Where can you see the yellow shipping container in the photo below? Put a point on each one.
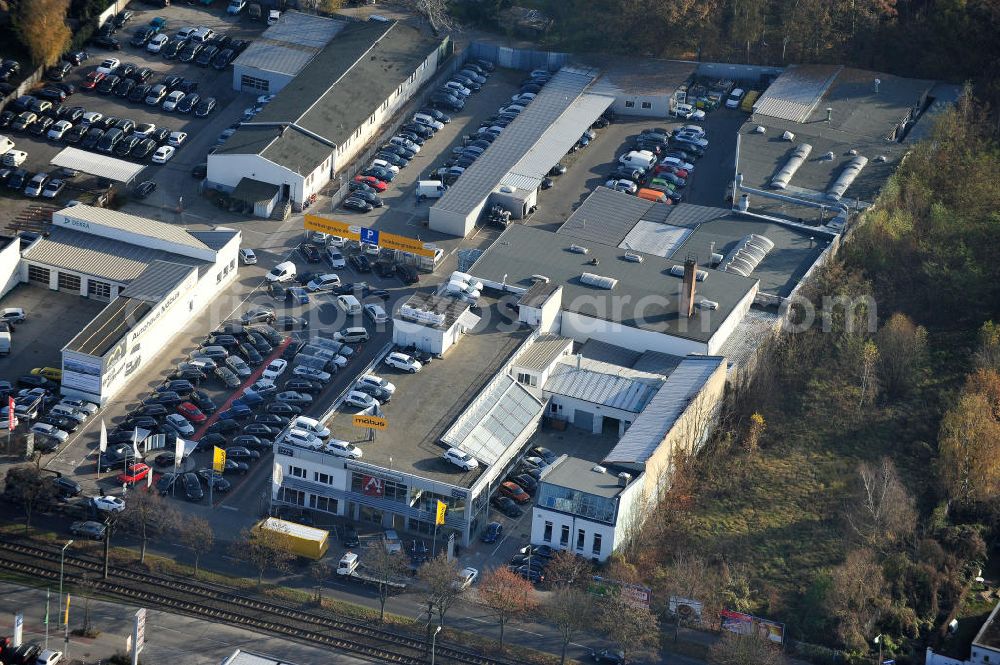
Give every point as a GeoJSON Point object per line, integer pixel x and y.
{"type": "Point", "coordinates": [303, 540]}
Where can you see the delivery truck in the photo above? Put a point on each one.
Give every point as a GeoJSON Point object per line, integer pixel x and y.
{"type": "Point", "coordinates": [305, 541]}
{"type": "Point", "coordinates": [350, 567]}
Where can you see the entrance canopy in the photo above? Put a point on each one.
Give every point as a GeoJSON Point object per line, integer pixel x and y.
{"type": "Point", "coordinates": [101, 166]}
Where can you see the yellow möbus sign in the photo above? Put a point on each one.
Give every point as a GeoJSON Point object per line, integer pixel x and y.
{"type": "Point", "coordinates": [372, 236]}
{"type": "Point", "coordinates": [442, 507]}
{"type": "Point", "coordinates": [371, 422]}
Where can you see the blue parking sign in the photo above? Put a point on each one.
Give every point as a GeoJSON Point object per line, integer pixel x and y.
{"type": "Point", "coordinates": [369, 236]}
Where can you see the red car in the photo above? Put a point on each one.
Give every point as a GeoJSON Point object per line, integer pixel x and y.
{"type": "Point", "coordinates": [93, 78]}
{"type": "Point", "coordinates": [134, 474]}
{"type": "Point", "coordinates": [515, 492]}
{"type": "Point", "coordinates": [372, 182]}
{"type": "Point", "coordinates": [191, 412]}
{"type": "Point", "coordinates": [668, 168]}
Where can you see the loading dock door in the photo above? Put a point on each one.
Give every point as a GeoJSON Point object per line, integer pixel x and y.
{"type": "Point", "coordinates": [583, 419]}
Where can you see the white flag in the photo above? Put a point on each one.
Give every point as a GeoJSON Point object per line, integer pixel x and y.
{"type": "Point", "coordinates": [104, 437]}
{"type": "Point", "coordinates": [178, 452]}
{"type": "Point", "coordinates": [149, 479]}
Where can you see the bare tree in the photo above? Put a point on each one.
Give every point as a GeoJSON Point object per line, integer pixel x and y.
{"type": "Point", "coordinates": [627, 625]}
{"type": "Point", "coordinates": [439, 577]}
{"type": "Point", "coordinates": [507, 595]}
{"type": "Point", "coordinates": [902, 349]}
{"type": "Point", "coordinates": [690, 576]}
{"type": "Point", "coordinates": [386, 567]}
{"type": "Point", "coordinates": [757, 426]}
{"type": "Point", "coordinates": [435, 12]}
{"type": "Point", "coordinates": [320, 572]}
{"type": "Point", "coordinates": [752, 649]}
{"type": "Point", "coordinates": [146, 516]}
{"type": "Point", "coordinates": [857, 598]}
{"type": "Point", "coordinates": [262, 549]}
{"type": "Point", "coordinates": [869, 382]}
{"type": "Point", "coordinates": [882, 511]}
{"type": "Point", "coordinates": [571, 611]}
{"type": "Point", "coordinates": [42, 27]}
{"type": "Point", "coordinates": [196, 534]}
{"type": "Point", "coordinates": [988, 354]}
{"type": "Point", "coordinates": [566, 569]}
{"type": "Point", "coordinates": [30, 487]}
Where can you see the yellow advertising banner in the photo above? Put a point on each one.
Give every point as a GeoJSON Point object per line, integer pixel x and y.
{"type": "Point", "coordinates": [219, 459]}
{"type": "Point", "coordinates": [442, 508]}
{"type": "Point", "coordinates": [371, 236]}
{"type": "Point", "coordinates": [371, 422]}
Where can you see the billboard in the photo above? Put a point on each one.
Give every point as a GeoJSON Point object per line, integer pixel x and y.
{"type": "Point", "coordinates": [85, 376]}
{"type": "Point", "coordinates": [747, 624]}
{"type": "Point", "coordinates": [371, 422]}
{"type": "Point", "coordinates": [371, 236]}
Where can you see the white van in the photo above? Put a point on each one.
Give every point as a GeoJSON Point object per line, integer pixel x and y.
{"type": "Point", "coordinates": [734, 99]}
{"type": "Point", "coordinates": [312, 426]}
{"type": "Point", "coordinates": [688, 112]}
{"type": "Point", "coordinates": [430, 189]}
{"type": "Point", "coordinates": [427, 121]}
{"type": "Point", "coordinates": [283, 272]}
{"type": "Point", "coordinates": [462, 288]}
{"type": "Point", "coordinates": [14, 157]}
{"type": "Point", "coordinates": [349, 304]}
{"type": "Point", "coordinates": [351, 335]}
{"type": "Point", "coordinates": [638, 159]}
{"type": "Point", "coordinates": [6, 144]}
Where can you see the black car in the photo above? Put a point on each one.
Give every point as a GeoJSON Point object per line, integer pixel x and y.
{"type": "Point", "coordinates": [525, 482]}
{"type": "Point", "coordinates": [110, 139]}
{"type": "Point", "coordinates": [167, 397]}
{"type": "Point", "coordinates": [18, 179]}
{"type": "Point", "coordinates": [141, 75]}
{"type": "Point", "coordinates": [259, 430]}
{"type": "Point", "coordinates": [303, 386]}
{"type": "Point", "coordinates": [360, 263]}
{"type": "Point", "coordinates": [242, 454]}
{"type": "Point", "coordinates": [166, 483]}
{"type": "Point", "coordinates": [107, 122]}
{"type": "Point", "coordinates": [289, 322]}
{"type": "Point", "coordinates": [206, 55]}
{"type": "Point", "coordinates": [251, 441]}
{"type": "Point", "coordinates": [187, 104]}
{"type": "Point", "coordinates": [76, 57]}
{"type": "Point", "coordinates": [144, 149]}
{"type": "Point", "coordinates": [165, 459]}
{"type": "Point", "coordinates": [437, 115]}
{"type": "Point", "coordinates": [533, 575]}
{"type": "Point", "coordinates": [66, 486]}
{"type": "Point", "coordinates": [153, 410]}
{"type": "Point", "coordinates": [160, 134]}
{"type": "Point", "coordinates": [507, 506]}
{"type": "Point", "coordinates": [124, 147]}
{"type": "Point", "coordinates": [41, 126]}
{"type": "Point", "coordinates": [145, 422]}
{"type": "Point", "coordinates": [519, 560]}
{"type": "Point", "coordinates": [232, 466]}
{"type": "Point", "coordinates": [219, 484]}
{"type": "Point", "coordinates": [223, 426]}
{"type": "Point", "coordinates": [65, 424]}
{"type": "Point", "coordinates": [422, 131]}
{"type": "Point", "coordinates": [270, 419]}
{"type": "Point", "coordinates": [125, 88]}
{"type": "Point", "coordinates": [6, 118]}
{"type": "Point", "coordinates": [223, 58]}
{"type": "Point", "coordinates": [139, 93]}
{"type": "Point", "coordinates": [405, 153]}
{"type": "Point", "coordinates": [142, 36]}
{"type": "Point", "coordinates": [58, 71]}
{"type": "Point", "coordinates": [250, 354]}
{"type": "Point", "coordinates": [310, 252]}
{"type": "Point", "coordinates": [205, 107]}
{"type": "Point", "coordinates": [173, 48]}
{"type": "Point", "coordinates": [283, 409]}
{"type": "Point", "coordinates": [123, 17]}
{"type": "Point", "coordinates": [34, 381]}
{"type": "Point", "coordinates": [107, 42]}
{"type": "Point", "coordinates": [354, 203]}
{"type": "Point", "coordinates": [201, 400]}
{"type": "Point", "coordinates": [607, 656]}
{"type": "Point", "coordinates": [408, 274]}
{"type": "Point", "coordinates": [379, 393]}
{"type": "Point", "coordinates": [192, 487]}
{"type": "Point", "coordinates": [212, 439]}
{"type": "Point", "coordinates": [189, 52]}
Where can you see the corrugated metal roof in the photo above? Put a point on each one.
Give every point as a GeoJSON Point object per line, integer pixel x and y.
{"type": "Point", "coordinates": [501, 412]}
{"type": "Point", "coordinates": [105, 329]}
{"type": "Point", "coordinates": [796, 92]}
{"type": "Point", "coordinates": [606, 216]}
{"type": "Point", "coordinates": [102, 166]}
{"type": "Point", "coordinates": [689, 214]}
{"type": "Point", "coordinates": [130, 224]}
{"type": "Point", "coordinates": [520, 181]}
{"type": "Point", "coordinates": [290, 44]}
{"type": "Point", "coordinates": [96, 256]}
{"type": "Point", "coordinates": [657, 362]}
{"type": "Point", "coordinates": [543, 352]}
{"type": "Point", "coordinates": [159, 279]}
{"type": "Point", "coordinates": [653, 238]}
{"type": "Point", "coordinates": [650, 427]}
{"type": "Point", "coordinates": [601, 383]}
{"type": "Point", "coordinates": [515, 141]}
{"type": "Point", "coordinates": [306, 29]}
{"type": "Point", "coordinates": [595, 349]}
{"type": "Point", "coordinates": [277, 57]}
{"type": "Point", "coordinates": [560, 137]}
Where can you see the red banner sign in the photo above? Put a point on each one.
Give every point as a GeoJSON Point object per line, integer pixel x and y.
{"type": "Point", "coordinates": [373, 486]}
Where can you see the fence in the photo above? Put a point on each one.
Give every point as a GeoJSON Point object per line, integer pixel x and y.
{"type": "Point", "coordinates": [518, 58]}
{"type": "Point", "coordinates": [750, 73]}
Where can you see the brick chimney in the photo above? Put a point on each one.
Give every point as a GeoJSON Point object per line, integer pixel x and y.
{"type": "Point", "coordinates": [687, 288]}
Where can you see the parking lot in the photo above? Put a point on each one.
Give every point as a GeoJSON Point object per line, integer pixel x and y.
{"type": "Point", "coordinates": [173, 179]}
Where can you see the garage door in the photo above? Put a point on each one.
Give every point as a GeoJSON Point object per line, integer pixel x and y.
{"type": "Point", "coordinates": [69, 283]}
{"type": "Point", "coordinates": [98, 290]}
{"type": "Point", "coordinates": [583, 419]}
{"type": "Point", "coordinates": [38, 274]}
{"type": "Point", "coordinates": [253, 84]}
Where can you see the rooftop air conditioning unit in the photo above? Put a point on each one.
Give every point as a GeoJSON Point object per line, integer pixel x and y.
{"type": "Point", "coordinates": [597, 468]}
{"type": "Point", "coordinates": [707, 304]}
{"type": "Point", "coordinates": [788, 136]}
{"type": "Point", "coordinates": [624, 479]}
{"type": "Point", "coordinates": [578, 249]}
{"type": "Point", "coordinates": [632, 257]}
{"type": "Point", "coordinates": [599, 281]}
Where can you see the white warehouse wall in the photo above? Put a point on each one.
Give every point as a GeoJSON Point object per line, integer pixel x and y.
{"type": "Point", "coordinates": [581, 328]}
{"type": "Point", "coordinates": [10, 266]}
{"type": "Point", "coordinates": [659, 105]}
{"type": "Point", "coordinates": [729, 325]}
{"type": "Point", "coordinates": [226, 171]}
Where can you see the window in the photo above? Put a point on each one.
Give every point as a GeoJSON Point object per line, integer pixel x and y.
{"type": "Point", "coordinates": [98, 289]}
{"type": "Point", "coordinates": [324, 503]}
{"type": "Point", "coordinates": [630, 105]}
{"type": "Point", "coordinates": [391, 491]}
{"type": "Point", "coordinates": [564, 536]}
{"type": "Point", "coordinates": [294, 497]}
{"type": "Point", "coordinates": [218, 276]}
{"type": "Point", "coordinates": [580, 537]}
{"type": "Point", "coordinates": [555, 408]}
{"type": "Point", "coordinates": [527, 379]}
{"type": "Point", "coordinates": [547, 536]}
{"type": "Point", "coordinates": [647, 105]}
{"type": "Point", "coordinates": [324, 478]}
{"type": "Point", "coordinates": [38, 274]}
{"type": "Point", "coordinates": [597, 545]}
{"type": "Point", "coordinates": [251, 83]}
{"type": "Point", "coordinates": [296, 471]}
{"type": "Point", "coordinates": [69, 282]}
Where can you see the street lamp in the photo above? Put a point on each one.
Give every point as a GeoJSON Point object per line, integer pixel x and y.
{"type": "Point", "coordinates": [434, 642]}
{"type": "Point", "coordinates": [62, 561]}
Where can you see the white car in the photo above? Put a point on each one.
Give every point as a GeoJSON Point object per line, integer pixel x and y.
{"type": "Point", "coordinates": [144, 130]}
{"type": "Point", "coordinates": [108, 66]}
{"type": "Point", "coordinates": [626, 186]}
{"type": "Point", "coordinates": [311, 425]}
{"type": "Point", "coordinates": [12, 314]}
{"type": "Point", "coordinates": [403, 362]}
{"type": "Point", "coordinates": [49, 657]}
{"type": "Point", "coordinates": [311, 373]}
{"type": "Point", "coordinates": [343, 449]}
{"type": "Point", "coordinates": [466, 578]}
{"type": "Point", "coordinates": [157, 43]}
{"type": "Point", "coordinates": [179, 424]}
{"type": "Point", "coordinates": [455, 86]}
{"type": "Point", "coordinates": [692, 129]}
{"type": "Point", "coordinates": [336, 241]}
{"type": "Point", "coordinates": [283, 272]}
{"type": "Point", "coordinates": [50, 431]}
{"type": "Point", "coordinates": [274, 369]}
{"type": "Point", "coordinates": [324, 282]}
{"type": "Point", "coordinates": [376, 382]}
{"type": "Point", "coordinates": [163, 154]}
{"type": "Point", "coordinates": [80, 405]}
{"type": "Point", "coordinates": [247, 256]}
{"type": "Point", "coordinates": [361, 400]}
{"type": "Point", "coordinates": [370, 249]}
{"type": "Point", "coordinates": [381, 163]}
{"type": "Point", "coordinates": [300, 437]}
{"type": "Point", "coordinates": [461, 459]}
{"type": "Point", "coordinates": [335, 258]}
{"type": "Point", "coordinates": [177, 139]}
{"type": "Point", "coordinates": [734, 99]}
{"type": "Point", "coordinates": [376, 313]}
{"type": "Point", "coordinates": [109, 504]}
{"type": "Point", "coordinates": [263, 387]}
{"type": "Point", "coordinates": [59, 128]}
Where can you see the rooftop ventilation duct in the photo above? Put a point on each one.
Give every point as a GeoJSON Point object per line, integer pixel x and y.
{"type": "Point", "coordinates": [678, 271]}
{"type": "Point", "coordinates": [881, 159]}
{"type": "Point", "coordinates": [846, 177]}
{"type": "Point", "coordinates": [597, 468]}
{"type": "Point", "coordinates": [795, 160]}
{"type": "Point", "coordinates": [759, 129]}
{"type": "Point", "coordinates": [787, 136]}
{"type": "Point", "coordinates": [705, 303]}
{"type": "Point", "coordinates": [828, 156]}
{"type": "Point", "coordinates": [599, 281]}
{"type": "Point", "coordinates": [578, 249]}
{"type": "Point", "coordinates": [747, 255]}
{"type": "Point", "coordinates": [852, 151]}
